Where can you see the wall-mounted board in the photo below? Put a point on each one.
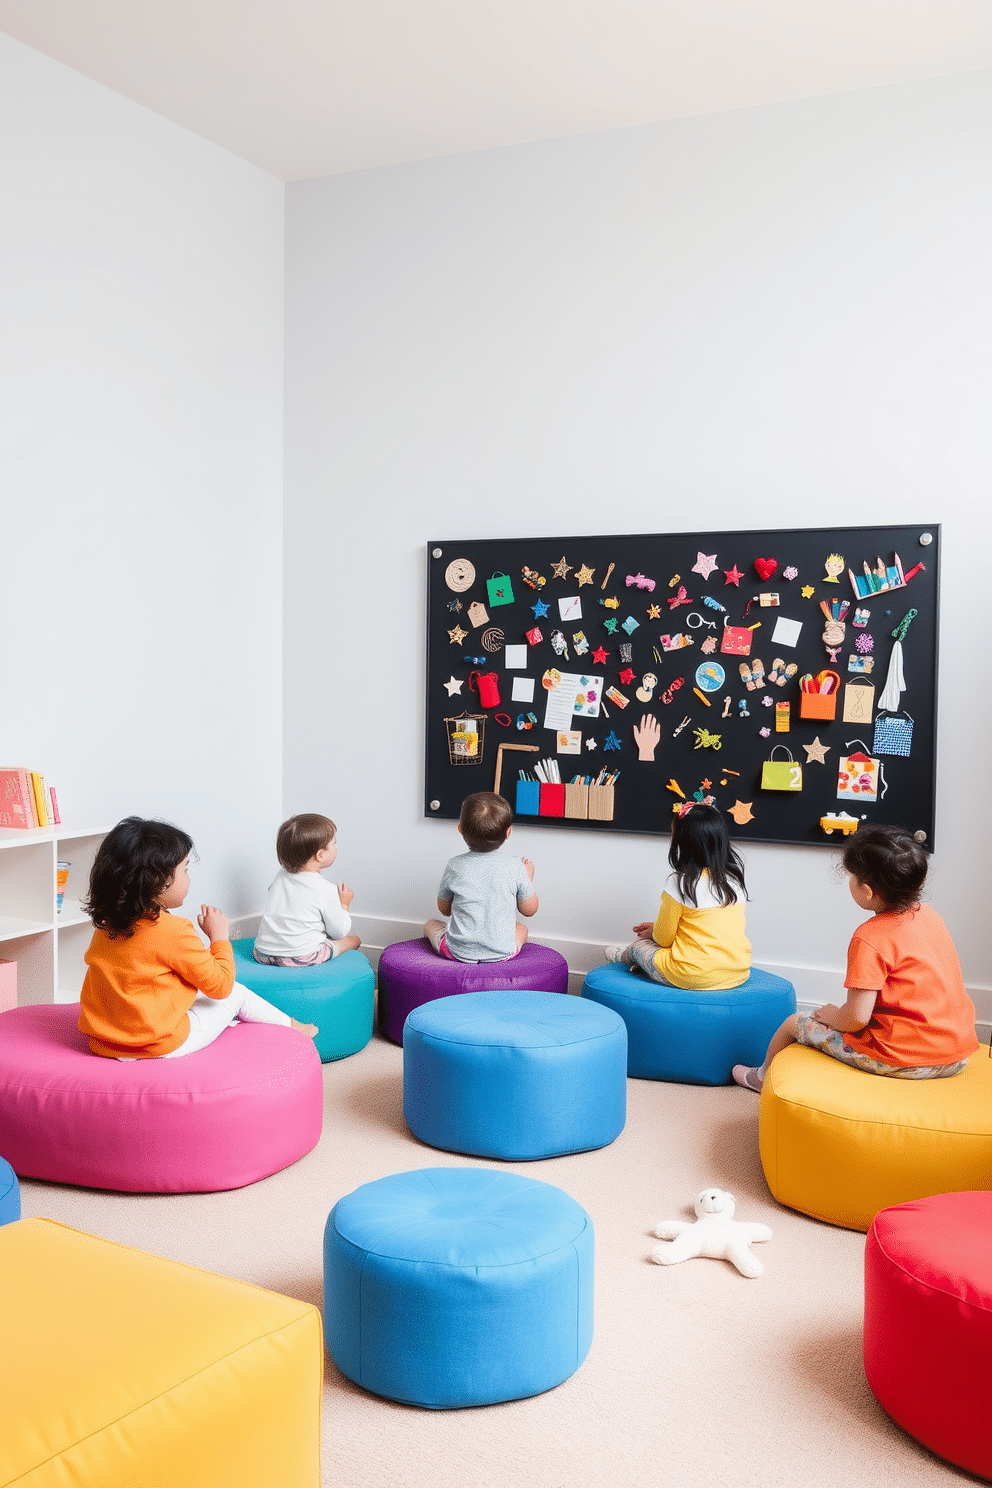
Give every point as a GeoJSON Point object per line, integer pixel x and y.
{"type": "Point", "coordinates": [757, 668]}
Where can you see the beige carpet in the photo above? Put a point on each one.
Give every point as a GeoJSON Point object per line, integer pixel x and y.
{"type": "Point", "coordinates": [697, 1377]}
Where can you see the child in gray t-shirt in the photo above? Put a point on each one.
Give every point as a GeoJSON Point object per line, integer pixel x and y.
{"type": "Point", "coordinates": [481, 889]}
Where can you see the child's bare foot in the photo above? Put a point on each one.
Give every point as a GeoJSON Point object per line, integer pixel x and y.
{"type": "Point", "coordinates": [310, 1029]}
{"type": "Point", "coordinates": [346, 943]}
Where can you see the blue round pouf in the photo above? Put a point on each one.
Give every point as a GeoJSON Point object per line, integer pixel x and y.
{"type": "Point", "coordinates": [694, 1038]}
{"type": "Point", "coordinates": [515, 1075]}
{"type": "Point", "coordinates": [450, 1287]}
{"type": "Point", "coordinates": [338, 995]}
{"type": "Point", "coordinates": [10, 1194]}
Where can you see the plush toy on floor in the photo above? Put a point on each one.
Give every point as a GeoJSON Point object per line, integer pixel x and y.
{"type": "Point", "coordinates": [716, 1233]}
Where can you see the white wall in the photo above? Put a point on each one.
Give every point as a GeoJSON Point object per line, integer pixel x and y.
{"type": "Point", "coordinates": [775, 317]}
{"type": "Point", "coordinates": [141, 274]}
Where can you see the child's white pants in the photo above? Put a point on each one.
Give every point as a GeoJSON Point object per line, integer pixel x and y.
{"type": "Point", "coordinates": [209, 1016]}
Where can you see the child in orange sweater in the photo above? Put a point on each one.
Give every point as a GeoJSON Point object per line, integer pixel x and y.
{"type": "Point", "coordinates": [152, 989]}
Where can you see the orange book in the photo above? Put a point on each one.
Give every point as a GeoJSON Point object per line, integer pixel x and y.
{"type": "Point", "coordinates": [16, 798]}
{"type": "Point", "coordinates": [38, 790]}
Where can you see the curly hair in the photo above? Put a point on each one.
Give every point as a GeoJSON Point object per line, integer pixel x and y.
{"type": "Point", "coordinates": [135, 861]}
{"type": "Point", "coordinates": [890, 861]}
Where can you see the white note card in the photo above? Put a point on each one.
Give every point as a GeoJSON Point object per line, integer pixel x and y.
{"type": "Point", "coordinates": [515, 658]}
{"type": "Point", "coordinates": [786, 632]}
{"type": "Point", "coordinates": [523, 690]}
{"type": "Point", "coordinates": [570, 608]}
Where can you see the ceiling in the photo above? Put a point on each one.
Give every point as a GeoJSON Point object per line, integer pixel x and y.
{"type": "Point", "coordinates": [308, 88]}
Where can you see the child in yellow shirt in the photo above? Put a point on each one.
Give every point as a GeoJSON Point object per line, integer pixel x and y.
{"type": "Point", "coordinates": [697, 940]}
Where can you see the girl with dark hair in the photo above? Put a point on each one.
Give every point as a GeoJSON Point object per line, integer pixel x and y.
{"type": "Point", "coordinates": [152, 989]}
{"type": "Point", "coordinates": [907, 1013]}
{"type": "Point", "coordinates": [698, 940]}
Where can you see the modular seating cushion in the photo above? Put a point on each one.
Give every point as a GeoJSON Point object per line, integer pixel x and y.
{"type": "Point", "coordinates": [841, 1145]}
{"type": "Point", "coordinates": [450, 1287]}
{"type": "Point", "coordinates": [127, 1369]}
{"type": "Point", "coordinates": [694, 1038]}
{"type": "Point", "coordinates": [410, 974]}
{"type": "Point", "coordinates": [10, 1194]}
{"type": "Point", "coordinates": [928, 1323]}
{"type": "Point", "coordinates": [246, 1106]}
{"type": "Point", "coordinates": [515, 1075]}
{"type": "Point", "coordinates": [338, 995]}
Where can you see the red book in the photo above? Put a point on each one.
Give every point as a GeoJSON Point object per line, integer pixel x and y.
{"type": "Point", "coordinates": [16, 808]}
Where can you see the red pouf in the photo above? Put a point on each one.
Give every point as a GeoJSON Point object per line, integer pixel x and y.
{"type": "Point", "coordinates": [928, 1323]}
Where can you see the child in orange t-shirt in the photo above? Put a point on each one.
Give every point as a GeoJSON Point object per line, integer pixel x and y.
{"type": "Point", "coordinates": [907, 1013]}
{"type": "Point", "coordinates": [152, 989]}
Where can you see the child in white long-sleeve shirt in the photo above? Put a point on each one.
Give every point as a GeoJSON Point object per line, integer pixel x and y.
{"type": "Point", "coordinates": [306, 919]}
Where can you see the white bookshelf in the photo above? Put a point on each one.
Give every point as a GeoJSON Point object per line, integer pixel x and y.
{"type": "Point", "coordinates": [47, 946]}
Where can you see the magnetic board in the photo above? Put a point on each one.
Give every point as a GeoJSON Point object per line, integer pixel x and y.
{"type": "Point", "coordinates": [625, 674]}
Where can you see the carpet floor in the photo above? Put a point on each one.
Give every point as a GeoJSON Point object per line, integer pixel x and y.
{"type": "Point", "coordinates": [697, 1377]}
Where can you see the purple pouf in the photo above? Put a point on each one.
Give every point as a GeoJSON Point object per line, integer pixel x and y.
{"type": "Point", "coordinates": [410, 974]}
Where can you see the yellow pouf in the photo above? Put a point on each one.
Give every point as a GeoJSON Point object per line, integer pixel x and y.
{"type": "Point", "coordinates": [121, 1370]}
{"type": "Point", "coordinates": [841, 1145]}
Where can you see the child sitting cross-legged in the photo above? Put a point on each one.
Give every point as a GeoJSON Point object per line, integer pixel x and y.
{"type": "Point", "coordinates": [306, 919]}
{"type": "Point", "coordinates": [481, 889]}
{"type": "Point", "coordinates": [906, 1013]}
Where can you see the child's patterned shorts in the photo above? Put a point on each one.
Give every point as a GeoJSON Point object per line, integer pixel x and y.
{"type": "Point", "coordinates": [316, 958]}
{"type": "Point", "coordinates": [816, 1035]}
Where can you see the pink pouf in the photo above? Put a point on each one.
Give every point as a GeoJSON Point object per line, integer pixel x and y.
{"type": "Point", "coordinates": [410, 974]}
{"type": "Point", "coordinates": [243, 1108]}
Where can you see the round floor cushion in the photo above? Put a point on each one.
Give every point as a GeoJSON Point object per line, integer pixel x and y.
{"type": "Point", "coordinates": [410, 974]}
{"type": "Point", "coordinates": [10, 1194]}
{"type": "Point", "coordinates": [338, 995]}
{"type": "Point", "coordinates": [453, 1287]}
{"type": "Point", "coordinates": [515, 1075]}
{"type": "Point", "coordinates": [928, 1323]}
{"type": "Point", "coordinates": [246, 1106]}
{"type": "Point", "coordinates": [694, 1038]}
{"type": "Point", "coordinates": [841, 1145]}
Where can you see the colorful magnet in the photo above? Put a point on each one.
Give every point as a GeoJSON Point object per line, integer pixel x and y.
{"type": "Point", "coordinates": [626, 676]}
{"type": "Point", "coordinates": [493, 639]}
{"type": "Point", "coordinates": [478, 614]}
{"type": "Point", "coordinates": [710, 676]}
{"type": "Point", "coordinates": [460, 575]}
{"type": "Point", "coordinates": [630, 625]}
{"type": "Point", "coordinates": [531, 579]}
{"type": "Point", "coordinates": [584, 575]}
{"type": "Point", "coordinates": [499, 589]}
{"type": "Point", "coordinates": [533, 637]}
{"type": "Point", "coordinates": [765, 568]}
{"type": "Point", "coordinates": [834, 567]}
{"type": "Point", "coordinates": [638, 581]}
{"type": "Point", "coordinates": [561, 569]}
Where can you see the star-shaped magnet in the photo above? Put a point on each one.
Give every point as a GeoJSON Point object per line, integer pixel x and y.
{"type": "Point", "coordinates": [540, 608]}
{"type": "Point", "coordinates": [457, 635]}
{"type": "Point", "coordinates": [590, 743]}
{"type": "Point", "coordinates": [733, 575]}
{"type": "Point", "coordinates": [807, 591]}
{"type": "Point", "coordinates": [584, 575]}
{"type": "Point", "coordinates": [454, 605]}
{"type": "Point", "coordinates": [453, 685]}
{"type": "Point", "coordinates": [599, 656]}
{"type": "Point", "coordinates": [741, 812]}
{"type": "Point", "coordinates": [561, 569]}
{"type": "Point", "coordinates": [705, 564]}
{"type": "Point", "coordinates": [627, 676]}
{"type": "Point", "coordinates": [816, 751]}
{"type": "Point", "coordinates": [611, 741]}
{"type": "Point", "coordinates": [653, 612]}
{"type": "Point", "coordinates": [611, 625]}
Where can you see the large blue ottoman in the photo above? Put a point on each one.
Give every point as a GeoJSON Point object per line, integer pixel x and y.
{"type": "Point", "coordinates": [458, 1286]}
{"type": "Point", "coordinates": [10, 1194]}
{"type": "Point", "coordinates": [517, 1075]}
{"type": "Point", "coordinates": [694, 1038]}
{"type": "Point", "coordinates": [338, 995]}
{"type": "Point", "coordinates": [410, 974]}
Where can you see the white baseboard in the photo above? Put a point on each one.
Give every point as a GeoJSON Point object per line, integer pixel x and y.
{"type": "Point", "coordinates": [814, 985]}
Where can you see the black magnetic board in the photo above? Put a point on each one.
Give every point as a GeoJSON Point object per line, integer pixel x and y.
{"type": "Point", "coordinates": [630, 580]}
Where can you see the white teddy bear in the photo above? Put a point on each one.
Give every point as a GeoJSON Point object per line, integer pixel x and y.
{"type": "Point", "coordinates": [715, 1233]}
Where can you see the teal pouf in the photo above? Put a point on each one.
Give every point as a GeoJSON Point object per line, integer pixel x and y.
{"type": "Point", "coordinates": [10, 1194]}
{"type": "Point", "coordinates": [453, 1287]}
{"type": "Point", "coordinates": [692, 1038]}
{"type": "Point", "coordinates": [515, 1075]}
{"type": "Point", "coordinates": [338, 995]}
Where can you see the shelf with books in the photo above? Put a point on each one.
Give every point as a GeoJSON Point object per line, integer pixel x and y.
{"type": "Point", "coordinates": [47, 945]}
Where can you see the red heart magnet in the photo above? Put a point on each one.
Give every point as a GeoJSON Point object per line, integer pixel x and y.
{"type": "Point", "coordinates": [765, 567]}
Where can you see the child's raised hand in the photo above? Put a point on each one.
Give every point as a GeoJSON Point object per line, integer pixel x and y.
{"type": "Point", "coordinates": [643, 931]}
{"type": "Point", "coordinates": [528, 868]}
{"type": "Point", "coordinates": [345, 895]}
{"type": "Point", "coordinates": [214, 923]}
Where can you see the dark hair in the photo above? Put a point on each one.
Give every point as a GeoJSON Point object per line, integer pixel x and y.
{"type": "Point", "coordinates": [890, 861]}
{"type": "Point", "coordinates": [485, 820]}
{"type": "Point", "coordinates": [700, 841]}
{"type": "Point", "coordinates": [135, 861]}
{"type": "Point", "coordinates": [301, 837]}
